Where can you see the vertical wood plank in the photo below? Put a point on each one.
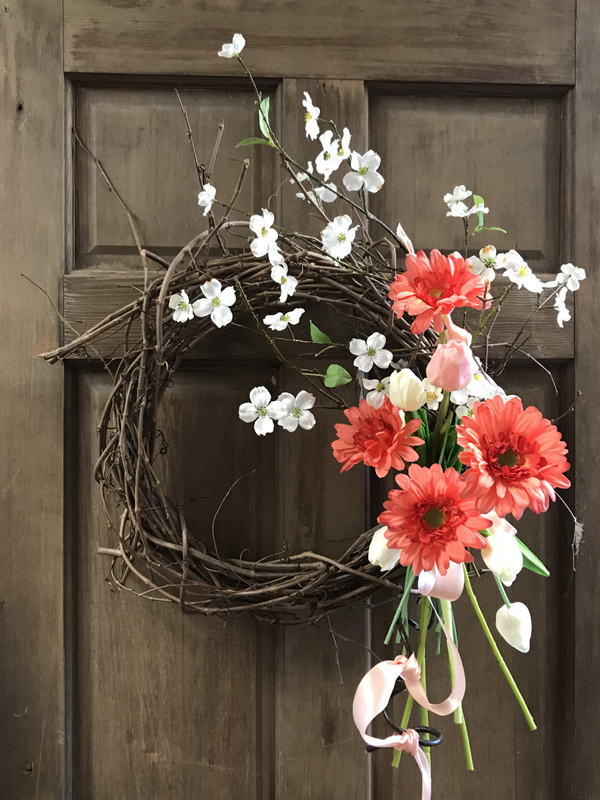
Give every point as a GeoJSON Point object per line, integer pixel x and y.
{"type": "Point", "coordinates": [582, 769]}
{"type": "Point", "coordinates": [31, 396]}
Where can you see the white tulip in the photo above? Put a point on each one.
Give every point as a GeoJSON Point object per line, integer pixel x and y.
{"type": "Point", "coordinates": [514, 625]}
{"type": "Point", "coordinates": [502, 554]}
{"type": "Point", "coordinates": [380, 554]}
{"type": "Point", "coordinates": [406, 390]}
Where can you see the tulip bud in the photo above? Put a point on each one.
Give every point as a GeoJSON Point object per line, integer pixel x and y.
{"type": "Point", "coordinates": [502, 554]}
{"type": "Point", "coordinates": [444, 587]}
{"type": "Point", "coordinates": [514, 625]}
{"type": "Point", "coordinates": [380, 554]}
{"type": "Point", "coordinates": [406, 390]}
{"type": "Point", "coordinates": [452, 366]}
{"type": "Point", "coordinates": [455, 332]}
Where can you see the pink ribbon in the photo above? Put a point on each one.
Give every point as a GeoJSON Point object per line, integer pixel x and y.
{"type": "Point", "coordinates": [374, 692]}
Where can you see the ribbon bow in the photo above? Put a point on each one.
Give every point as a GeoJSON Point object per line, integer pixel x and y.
{"type": "Point", "coordinates": [374, 692]}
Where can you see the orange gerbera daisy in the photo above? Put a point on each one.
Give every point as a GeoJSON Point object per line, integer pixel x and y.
{"type": "Point", "coordinates": [515, 457]}
{"type": "Point", "coordinates": [430, 288]}
{"type": "Point", "coordinates": [429, 521]}
{"type": "Point", "coordinates": [377, 436]}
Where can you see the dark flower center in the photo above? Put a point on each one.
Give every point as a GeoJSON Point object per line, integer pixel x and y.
{"type": "Point", "coordinates": [508, 459]}
{"type": "Point", "coordinates": [435, 517]}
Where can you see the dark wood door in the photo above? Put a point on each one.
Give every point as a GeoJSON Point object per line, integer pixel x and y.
{"type": "Point", "coordinates": [109, 695]}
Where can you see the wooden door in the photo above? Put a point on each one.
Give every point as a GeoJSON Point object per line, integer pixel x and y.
{"type": "Point", "coordinates": [107, 695]}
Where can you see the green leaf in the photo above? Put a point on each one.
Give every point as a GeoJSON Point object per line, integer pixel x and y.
{"type": "Point", "coordinates": [318, 336]}
{"type": "Point", "coordinates": [531, 561]}
{"type": "Point", "coordinates": [336, 376]}
{"type": "Point", "coordinates": [480, 228]}
{"type": "Point", "coordinates": [263, 117]}
{"type": "Point", "coordinates": [254, 140]}
{"type": "Point", "coordinates": [477, 200]}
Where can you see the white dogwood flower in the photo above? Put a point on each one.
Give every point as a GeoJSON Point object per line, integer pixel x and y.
{"type": "Point", "coordinates": [344, 145]}
{"type": "Point", "coordinates": [459, 194]}
{"type": "Point", "coordinates": [287, 282]}
{"type": "Point", "coordinates": [435, 395]}
{"type": "Point", "coordinates": [326, 194]}
{"type": "Point", "coordinates": [338, 237]}
{"type": "Point", "coordinates": [564, 315]}
{"type": "Point", "coordinates": [207, 197]}
{"type": "Point", "coordinates": [296, 411]}
{"type": "Point", "coordinates": [328, 159]}
{"type": "Point", "coordinates": [216, 302]}
{"type": "Point", "coordinates": [234, 48]}
{"type": "Point", "coordinates": [570, 275]}
{"type": "Point", "coordinates": [518, 272]}
{"type": "Point", "coordinates": [365, 173]}
{"type": "Point", "coordinates": [370, 352]}
{"type": "Point", "coordinates": [514, 625]}
{"type": "Point", "coordinates": [182, 309]}
{"type": "Point", "coordinates": [266, 236]}
{"type": "Point", "coordinates": [377, 391]}
{"type": "Point", "coordinates": [487, 263]}
{"type": "Point", "coordinates": [261, 411]}
{"type": "Point", "coordinates": [460, 210]}
{"type": "Point", "coordinates": [280, 321]}
{"type": "Point", "coordinates": [311, 117]}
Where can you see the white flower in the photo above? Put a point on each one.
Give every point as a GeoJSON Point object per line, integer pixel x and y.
{"type": "Point", "coordinates": [481, 386]}
{"type": "Point", "coordinates": [569, 274]}
{"type": "Point", "coordinates": [365, 173]}
{"type": "Point", "coordinates": [295, 411]}
{"type": "Point", "coordinates": [380, 555]}
{"type": "Point", "coordinates": [326, 194]}
{"type": "Point", "coordinates": [370, 352]}
{"type": "Point", "coordinates": [344, 145]}
{"type": "Point", "coordinates": [266, 236]}
{"type": "Point", "coordinates": [288, 283]}
{"type": "Point", "coordinates": [434, 394]}
{"type": "Point", "coordinates": [378, 390]}
{"type": "Point", "coordinates": [279, 322]}
{"type": "Point", "coordinates": [564, 315]}
{"type": "Point", "coordinates": [328, 160]}
{"type": "Point", "coordinates": [207, 197]}
{"type": "Point", "coordinates": [311, 117]}
{"type": "Point", "coordinates": [460, 193]}
{"type": "Point", "coordinates": [235, 48]}
{"type": "Point", "coordinates": [514, 625]}
{"type": "Point", "coordinates": [487, 263]}
{"type": "Point", "coordinates": [261, 410]}
{"type": "Point", "coordinates": [182, 308]}
{"type": "Point", "coordinates": [406, 390]}
{"type": "Point", "coordinates": [215, 302]}
{"type": "Point", "coordinates": [502, 554]}
{"type": "Point", "coordinates": [466, 408]}
{"type": "Point", "coordinates": [460, 210]}
{"type": "Point", "coordinates": [517, 271]}
{"type": "Point", "coordinates": [338, 237]}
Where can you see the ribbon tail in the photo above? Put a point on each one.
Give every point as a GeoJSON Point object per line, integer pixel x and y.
{"type": "Point", "coordinates": [421, 760]}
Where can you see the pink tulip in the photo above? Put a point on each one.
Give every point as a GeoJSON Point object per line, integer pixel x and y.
{"type": "Point", "coordinates": [452, 366]}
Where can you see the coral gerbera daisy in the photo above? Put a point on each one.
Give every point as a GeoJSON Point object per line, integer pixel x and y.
{"type": "Point", "coordinates": [376, 436]}
{"type": "Point", "coordinates": [429, 521]}
{"type": "Point", "coordinates": [430, 288]}
{"type": "Point", "coordinates": [515, 457]}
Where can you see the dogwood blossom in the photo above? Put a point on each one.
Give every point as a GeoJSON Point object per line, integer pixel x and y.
{"type": "Point", "coordinates": [365, 173]}
{"type": "Point", "coordinates": [328, 159]}
{"type": "Point", "coordinates": [311, 117]}
{"type": "Point", "coordinates": [326, 194]}
{"type": "Point", "coordinates": [296, 411]}
{"type": "Point", "coordinates": [460, 210]}
{"type": "Point", "coordinates": [570, 275]}
{"type": "Point", "coordinates": [234, 48]}
{"type": "Point", "coordinates": [338, 237]}
{"type": "Point", "coordinates": [377, 391]}
{"type": "Point", "coordinates": [459, 194]}
{"type": "Point", "coordinates": [564, 315]}
{"type": "Point", "coordinates": [288, 283]}
{"type": "Point", "coordinates": [434, 394]}
{"type": "Point", "coordinates": [261, 411]}
{"type": "Point", "coordinates": [518, 272]}
{"type": "Point", "coordinates": [280, 321]}
{"type": "Point", "coordinates": [370, 352]}
{"type": "Point", "coordinates": [266, 236]}
{"type": "Point", "coordinates": [344, 145]}
{"type": "Point", "coordinates": [215, 302]}
{"type": "Point", "coordinates": [207, 197]}
{"type": "Point", "coordinates": [487, 263]}
{"type": "Point", "coordinates": [183, 310]}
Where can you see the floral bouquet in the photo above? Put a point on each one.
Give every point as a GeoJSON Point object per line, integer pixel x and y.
{"type": "Point", "coordinates": [466, 456]}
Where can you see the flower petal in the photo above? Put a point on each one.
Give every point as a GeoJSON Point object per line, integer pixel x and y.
{"type": "Point", "coordinates": [202, 307]}
{"type": "Point", "coordinates": [211, 289]}
{"type": "Point", "coordinates": [228, 296]}
{"type": "Point", "coordinates": [260, 396]}
{"type": "Point", "coordinates": [221, 316]}
{"type": "Point", "coordinates": [247, 412]}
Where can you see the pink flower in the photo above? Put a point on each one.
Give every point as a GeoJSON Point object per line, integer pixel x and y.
{"type": "Point", "coordinates": [455, 331]}
{"type": "Point", "coordinates": [452, 366]}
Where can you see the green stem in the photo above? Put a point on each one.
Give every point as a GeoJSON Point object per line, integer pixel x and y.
{"type": "Point", "coordinates": [443, 410]}
{"type": "Point", "coordinates": [459, 716]}
{"type": "Point", "coordinates": [497, 653]}
{"type": "Point", "coordinates": [403, 724]}
{"type": "Point", "coordinates": [502, 592]}
{"type": "Point", "coordinates": [423, 626]}
{"type": "Point", "coordinates": [408, 582]}
{"type": "Point", "coordinates": [466, 745]}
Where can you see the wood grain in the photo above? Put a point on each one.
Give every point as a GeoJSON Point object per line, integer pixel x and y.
{"type": "Point", "coordinates": [501, 42]}
{"type": "Point", "coordinates": [32, 732]}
